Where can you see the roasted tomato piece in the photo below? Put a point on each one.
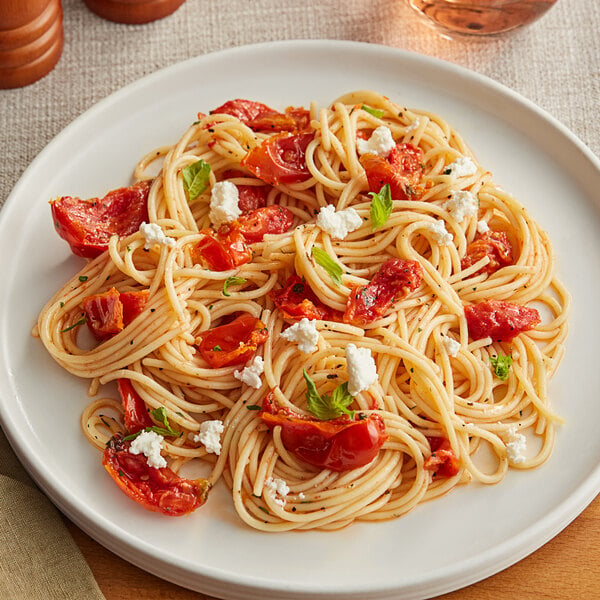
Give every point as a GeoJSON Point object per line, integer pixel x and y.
{"type": "Point", "coordinates": [221, 251]}
{"type": "Point", "coordinates": [296, 300]}
{"type": "Point", "coordinates": [269, 219]}
{"type": "Point", "coordinates": [401, 170]}
{"type": "Point", "coordinates": [133, 304]}
{"type": "Point", "coordinates": [494, 244]}
{"type": "Point", "coordinates": [107, 313]}
{"type": "Point", "coordinates": [135, 415]}
{"type": "Point", "coordinates": [339, 444]}
{"type": "Point", "coordinates": [252, 197]}
{"type": "Point", "coordinates": [87, 225]}
{"type": "Point", "coordinates": [158, 490]}
{"type": "Point", "coordinates": [260, 117]}
{"type": "Point", "coordinates": [395, 279]}
{"type": "Point", "coordinates": [233, 343]}
{"type": "Point", "coordinates": [500, 320]}
{"type": "Point", "coordinates": [280, 158]}
{"type": "Point", "coordinates": [442, 461]}
{"type": "Point", "coordinates": [104, 314]}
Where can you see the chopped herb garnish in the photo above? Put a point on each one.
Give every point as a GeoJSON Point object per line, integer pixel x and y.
{"type": "Point", "coordinates": [501, 365]}
{"type": "Point", "coordinates": [195, 178]}
{"type": "Point", "coordinates": [253, 407]}
{"type": "Point", "coordinates": [83, 278]}
{"type": "Point", "coordinates": [376, 112]}
{"type": "Point", "coordinates": [159, 414]}
{"type": "Point", "coordinates": [381, 207]}
{"type": "Point", "coordinates": [217, 348]}
{"type": "Point", "coordinates": [80, 322]}
{"type": "Point", "coordinates": [326, 407]}
{"type": "Point", "coordinates": [233, 280]}
{"type": "Point", "coordinates": [333, 269]}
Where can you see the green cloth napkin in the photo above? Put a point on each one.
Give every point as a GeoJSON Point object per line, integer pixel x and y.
{"type": "Point", "coordinates": [38, 558]}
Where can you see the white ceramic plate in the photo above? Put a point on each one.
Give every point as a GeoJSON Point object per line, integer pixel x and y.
{"type": "Point", "coordinates": [443, 545]}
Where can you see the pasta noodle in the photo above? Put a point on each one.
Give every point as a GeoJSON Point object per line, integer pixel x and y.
{"type": "Point", "coordinates": [434, 380]}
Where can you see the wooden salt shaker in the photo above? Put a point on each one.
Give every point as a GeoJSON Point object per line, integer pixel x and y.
{"type": "Point", "coordinates": [133, 11]}
{"type": "Point", "coordinates": [31, 40]}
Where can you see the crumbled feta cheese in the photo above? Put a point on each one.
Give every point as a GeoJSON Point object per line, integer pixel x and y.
{"type": "Point", "coordinates": [153, 234]}
{"type": "Point", "coordinates": [251, 373]}
{"type": "Point", "coordinates": [338, 224]}
{"type": "Point", "coordinates": [516, 446]}
{"type": "Point", "coordinates": [304, 333]}
{"type": "Point", "coordinates": [440, 233]}
{"type": "Point", "coordinates": [461, 205]}
{"type": "Point", "coordinates": [482, 227]}
{"type": "Point", "coordinates": [224, 201]}
{"type": "Point", "coordinates": [279, 488]}
{"type": "Point", "coordinates": [414, 125]}
{"type": "Point", "coordinates": [451, 345]}
{"type": "Point", "coordinates": [463, 166]}
{"type": "Point", "coordinates": [381, 142]}
{"type": "Point", "coordinates": [210, 435]}
{"type": "Point", "coordinates": [149, 444]}
{"type": "Point", "coordinates": [361, 367]}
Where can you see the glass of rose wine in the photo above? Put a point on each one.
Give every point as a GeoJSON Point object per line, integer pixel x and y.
{"type": "Point", "coordinates": [480, 17]}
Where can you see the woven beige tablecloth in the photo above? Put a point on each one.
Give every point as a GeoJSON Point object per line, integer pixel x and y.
{"type": "Point", "coordinates": [555, 63]}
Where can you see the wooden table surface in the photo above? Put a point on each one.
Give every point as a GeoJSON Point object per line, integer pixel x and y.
{"type": "Point", "coordinates": [566, 568]}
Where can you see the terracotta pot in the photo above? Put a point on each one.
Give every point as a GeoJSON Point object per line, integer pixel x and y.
{"type": "Point", "coordinates": [133, 11]}
{"type": "Point", "coordinates": [31, 40]}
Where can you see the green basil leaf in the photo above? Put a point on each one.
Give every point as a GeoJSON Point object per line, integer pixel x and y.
{"type": "Point", "coordinates": [501, 365]}
{"type": "Point", "coordinates": [160, 414]}
{"type": "Point", "coordinates": [376, 112]}
{"type": "Point", "coordinates": [326, 407]}
{"type": "Point", "coordinates": [381, 207]}
{"type": "Point", "coordinates": [195, 178]}
{"type": "Point", "coordinates": [233, 280]}
{"type": "Point", "coordinates": [333, 269]}
{"type": "Point", "coordinates": [81, 321]}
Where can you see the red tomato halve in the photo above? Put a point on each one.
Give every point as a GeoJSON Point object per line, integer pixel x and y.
{"type": "Point", "coordinates": [88, 225]}
{"type": "Point", "coordinates": [339, 444]}
{"type": "Point", "coordinates": [156, 489]}
{"type": "Point", "coordinates": [443, 462]}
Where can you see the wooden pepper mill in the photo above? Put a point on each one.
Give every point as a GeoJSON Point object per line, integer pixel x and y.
{"type": "Point", "coordinates": [133, 11]}
{"type": "Point", "coordinates": [31, 40]}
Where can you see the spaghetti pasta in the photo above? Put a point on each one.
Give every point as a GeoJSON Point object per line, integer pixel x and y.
{"type": "Point", "coordinates": [445, 406]}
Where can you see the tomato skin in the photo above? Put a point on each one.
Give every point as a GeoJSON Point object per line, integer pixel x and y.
{"type": "Point", "coordinates": [280, 158]}
{"type": "Point", "coordinates": [157, 490]}
{"type": "Point", "coordinates": [106, 314]}
{"type": "Point", "coordinates": [401, 170]}
{"type": "Point", "coordinates": [87, 225]}
{"type": "Point", "coordinates": [269, 219]}
{"type": "Point", "coordinates": [260, 117]}
{"type": "Point", "coordinates": [494, 244]}
{"type": "Point", "coordinates": [500, 320]}
{"type": "Point", "coordinates": [296, 300]}
{"type": "Point", "coordinates": [339, 444]}
{"type": "Point", "coordinates": [252, 197]}
{"type": "Point", "coordinates": [237, 340]}
{"type": "Point", "coordinates": [222, 251]}
{"type": "Point", "coordinates": [135, 415]}
{"type": "Point", "coordinates": [395, 279]}
{"type": "Point", "coordinates": [442, 461]}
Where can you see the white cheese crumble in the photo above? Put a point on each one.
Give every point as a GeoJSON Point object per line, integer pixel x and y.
{"type": "Point", "coordinates": [210, 435]}
{"type": "Point", "coordinates": [361, 367]}
{"type": "Point", "coordinates": [482, 227]}
{"type": "Point", "coordinates": [224, 199]}
{"type": "Point", "coordinates": [251, 373]}
{"type": "Point", "coordinates": [149, 444]}
{"type": "Point", "coordinates": [338, 224]}
{"type": "Point", "coordinates": [461, 205]}
{"type": "Point", "coordinates": [463, 166]}
{"type": "Point", "coordinates": [381, 142]}
{"type": "Point", "coordinates": [516, 446]}
{"type": "Point", "coordinates": [153, 234]}
{"type": "Point", "coordinates": [451, 345]}
{"type": "Point", "coordinates": [304, 333]}
{"type": "Point", "coordinates": [279, 488]}
{"type": "Point", "coordinates": [440, 233]}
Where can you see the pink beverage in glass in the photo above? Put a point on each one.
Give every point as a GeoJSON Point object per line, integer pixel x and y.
{"type": "Point", "coordinates": [481, 17]}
